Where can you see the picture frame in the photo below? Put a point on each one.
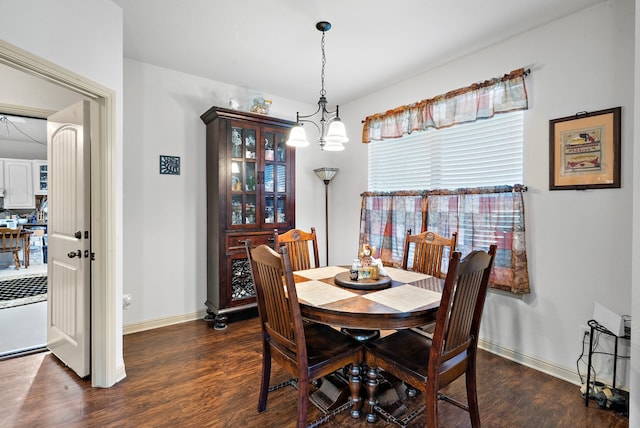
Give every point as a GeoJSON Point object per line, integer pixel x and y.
{"type": "Point", "coordinates": [169, 165]}
{"type": "Point", "coordinates": [584, 151]}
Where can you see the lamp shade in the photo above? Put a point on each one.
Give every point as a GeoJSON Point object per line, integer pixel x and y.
{"type": "Point", "coordinates": [337, 132]}
{"type": "Point", "coordinates": [326, 173]}
{"type": "Point", "coordinates": [297, 137]}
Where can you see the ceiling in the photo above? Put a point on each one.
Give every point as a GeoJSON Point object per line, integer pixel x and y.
{"type": "Point", "coordinates": [24, 129]}
{"type": "Point", "coordinates": [273, 46]}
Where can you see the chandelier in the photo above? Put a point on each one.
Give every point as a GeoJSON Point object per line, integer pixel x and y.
{"type": "Point", "coordinates": [331, 129]}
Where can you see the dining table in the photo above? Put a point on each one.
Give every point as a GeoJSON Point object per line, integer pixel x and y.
{"type": "Point", "coordinates": [410, 299]}
{"type": "Point", "coordinates": [399, 299]}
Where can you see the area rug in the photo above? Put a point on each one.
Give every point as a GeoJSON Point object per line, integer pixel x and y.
{"type": "Point", "coordinates": [23, 290]}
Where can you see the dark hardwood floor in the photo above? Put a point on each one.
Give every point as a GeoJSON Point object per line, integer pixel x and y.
{"type": "Point", "coordinates": [189, 375]}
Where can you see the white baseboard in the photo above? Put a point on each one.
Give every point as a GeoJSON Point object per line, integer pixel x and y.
{"type": "Point", "coordinates": [120, 373]}
{"type": "Point", "coordinates": [534, 363]}
{"type": "Point", "coordinates": [163, 322]}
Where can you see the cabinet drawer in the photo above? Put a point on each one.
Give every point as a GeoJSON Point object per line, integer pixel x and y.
{"type": "Point", "coordinates": [236, 242]}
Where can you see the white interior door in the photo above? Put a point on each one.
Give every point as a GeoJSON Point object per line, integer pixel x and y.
{"type": "Point", "coordinates": [69, 262]}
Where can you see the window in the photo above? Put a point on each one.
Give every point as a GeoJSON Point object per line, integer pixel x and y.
{"type": "Point", "coordinates": [466, 179]}
{"type": "Point", "coordinates": [460, 154]}
{"type": "Point", "coordinates": [477, 154]}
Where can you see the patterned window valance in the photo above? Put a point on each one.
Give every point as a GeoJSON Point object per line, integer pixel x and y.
{"type": "Point", "coordinates": [478, 101]}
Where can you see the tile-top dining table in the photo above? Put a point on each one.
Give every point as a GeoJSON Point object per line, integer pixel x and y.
{"type": "Point", "coordinates": [410, 299]}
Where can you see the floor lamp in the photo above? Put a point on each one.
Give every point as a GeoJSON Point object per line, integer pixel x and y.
{"type": "Point", "coordinates": [326, 174]}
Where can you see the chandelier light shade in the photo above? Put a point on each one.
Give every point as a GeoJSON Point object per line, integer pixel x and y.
{"type": "Point", "coordinates": [332, 132]}
{"type": "Point", "coordinates": [297, 137]}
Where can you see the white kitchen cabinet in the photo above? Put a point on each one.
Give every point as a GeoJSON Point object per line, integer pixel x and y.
{"type": "Point", "coordinates": [40, 177]}
{"type": "Point", "coordinates": [18, 184]}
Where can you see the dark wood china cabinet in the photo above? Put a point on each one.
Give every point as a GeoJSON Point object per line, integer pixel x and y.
{"type": "Point", "coordinates": [250, 192]}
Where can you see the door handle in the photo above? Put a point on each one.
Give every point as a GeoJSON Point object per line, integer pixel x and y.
{"type": "Point", "coordinates": [73, 254]}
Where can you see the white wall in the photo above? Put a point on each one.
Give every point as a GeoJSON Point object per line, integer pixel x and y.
{"type": "Point", "coordinates": [634, 407]}
{"type": "Point", "coordinates": [578, 242]}
{"type": "Point", "coordinates": [165, 215]}
{"type": "Point", "coordinates": [84, 37]}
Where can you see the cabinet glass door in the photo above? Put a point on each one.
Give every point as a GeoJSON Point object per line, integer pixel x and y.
{"type": "Point", "coordinates": [241, 281]}
{"type": "Point", "coordinates": [275, 178]}
{"type": "Point", "coordinates": [42, 175]}
{"type": "Point", "coordinates": [243, 176]}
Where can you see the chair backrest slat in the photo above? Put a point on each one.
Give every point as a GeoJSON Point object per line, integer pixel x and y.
{"type": "Point", "coordinates": [278, 317]}
{"type": "Point", "coordinates": [428, 252]}
{"type": "Point", "coordinates": [10, 238]}
{"type": "Point", "coordinates": [467, 291]}
{"type": "Point", "coordinates": [297, 243]}
{"type": "Point", "coordinates": [463, 296]}
{"type": "Point", "coordinates": [277, 298]}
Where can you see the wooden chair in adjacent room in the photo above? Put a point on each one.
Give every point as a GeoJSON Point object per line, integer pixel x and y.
{"type": "Point", "coordinates": [429, 249]}
{"type": "Point", "coordinates": [10, 243]}
{"type": "Point", "coordinates": [430, 364]}
{"type": "Point", "coordinates": [308, 351]}
{"type": "Point", "coordinates": [297, 242]}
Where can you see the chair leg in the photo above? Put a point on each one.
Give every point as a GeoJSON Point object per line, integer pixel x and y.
{"type": "Point", "coordinates": [16, 260]}
{"type": "Point", "coordinates": [266, 375]}
{"type": "Point", "coordinates": [303, 402]}
{"type": "Point", "coordinates": [431, 409]}
{"type": "Point", "coordinates": [472, 396]}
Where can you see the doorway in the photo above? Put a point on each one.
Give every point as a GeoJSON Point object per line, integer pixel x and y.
{"type": "Point", "coordinates": [23, 144]}
{"type": "Point", "coordinates": [107, 367]}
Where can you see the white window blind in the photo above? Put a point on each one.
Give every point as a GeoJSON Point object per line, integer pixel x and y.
{"type": "Point", "coordinates": [477, 154]}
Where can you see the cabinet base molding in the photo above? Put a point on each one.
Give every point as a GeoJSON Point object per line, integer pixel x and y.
{"type": "Point", "coordinates": [220, 319]}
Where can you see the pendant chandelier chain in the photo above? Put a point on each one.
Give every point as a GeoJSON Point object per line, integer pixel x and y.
{"type": "Point", "coordinates": [324, 62]}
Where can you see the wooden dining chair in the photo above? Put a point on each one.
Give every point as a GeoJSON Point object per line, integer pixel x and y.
{"type": "Point", "coordinates": [308, 351]}
{"type": "Point", "coordinates": [430, 364]}
{"type": "Point", "coordinates": [428, 252]}
{"type": "Point", "coordinates": [10, 243]}
{"type": "Point", "coordinates": [297, 242]}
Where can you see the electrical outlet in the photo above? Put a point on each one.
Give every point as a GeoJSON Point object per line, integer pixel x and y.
{"type": "Point", "coordinates": [126, 301]}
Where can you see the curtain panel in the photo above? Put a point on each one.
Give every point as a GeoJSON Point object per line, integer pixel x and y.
{"type": "Point", "coordinates": [480, 216]}
{"type": "Point", "coordinates": [385, 218]}
{"type": "Point", "coordinates": [478, 101]}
